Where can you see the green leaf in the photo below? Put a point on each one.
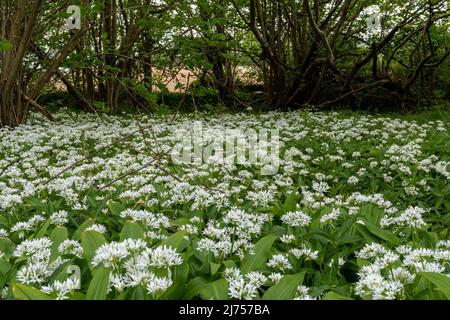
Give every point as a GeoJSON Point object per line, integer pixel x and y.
{"type": "Point", "coordinates": [179, 222]}
{"type": "Point", "coordinates": [229, 264]}
{"type": "Point", "coordinates": [24, 292]}
{"type": "Point", "coordinates": [122, 296]}
{"type": "Point", "coordinates": [176, 241]}
{"type": "Point", "coordinates": [86, 224]}
{"type": "Point", "coordinates": [214, 267]}
{"type": "Point", "coordinates": [442, 282]}
{"type": "Point", "coordinates": [371, 213]}
{"type": "Point", "coordinates": [98, 287]}
{"type": "Point", "coordinates": [5, 266]}
{"type": "Point", "coordinates": [278, 231]}
{"type": "Point", "coordinates": [331, 295]}
{"type": "Point", "coordinates": [383, 234]}
{"type": "Point", "coordinates": [6, 246]}
{"type": "Point", "coordinates": [180, 276]}
{"type": "Point", "coordinates": [116, 208]}
{"type": "Point", "coordinates": [217, 290]}
{"type": "Point", "coordinates": [131, 230]}
{"type": "Point", "coordinates": [138, 293]}
{"type": "Point", "coordinates": [259, 259]}
{"type": "Point", "coordinates": [5, 45]}
{"type": "Point", "coordinates": [58, 235]}
{"type": "Point", "coordinates": [290, 204]}
{"type": "Point", "coordinates": [91, 241]}
{"type": "Point", "coordinates": [368, 236]}
{"type": "Point", "coordinates": [42, 230]}
{"type": "Point", "coordinates": [77, 296]}
{"type": "Point", "coordinates": [6, 272]}
{"type": "Point", "coordinates": [3, 221]}
{"type": "Point", "coordinates": [362, 262]}
{"type": "Point", "coordinates": [194, 286]}
{"type": "Point", "coordinates": [286, 288]}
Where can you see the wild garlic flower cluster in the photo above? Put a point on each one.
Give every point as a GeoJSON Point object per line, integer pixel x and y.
{"type": "Point", "coordinates": [296, 219]}
{"type": "Point", "coordinates": [388, 272]}
{"type": "Point", "coordinates": [61, 289]}
{"type": "Point", "coordinates": [234, 234]}
{"type": "Point", "coordinates": [243, 287]}
{"type": "Point", "coordinates": [39, 265]}
{"type": "Point", "coordinates": [134, 264]}
{"type": "Point", "coordinates": [303, 293]}
{"type": "Point", "coordinates": [412, 217]}
{"type": "Point", "coordinates": [150, 220]}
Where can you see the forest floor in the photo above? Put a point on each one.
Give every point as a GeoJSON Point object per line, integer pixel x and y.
{"type": "Point", "coordinates": [333, 205]}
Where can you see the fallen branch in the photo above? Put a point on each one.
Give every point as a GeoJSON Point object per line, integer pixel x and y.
{"type": "Point", "coordinates": [352, 92]}
{"type": "Point", "coordinates": [39, 108]}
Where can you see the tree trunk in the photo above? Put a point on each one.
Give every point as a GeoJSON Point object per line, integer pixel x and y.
{"type": "Point", "coordinates": [17, 21]}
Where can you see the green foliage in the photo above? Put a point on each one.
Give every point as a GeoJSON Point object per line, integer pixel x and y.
{"type": "Point", "coordinates": [262, 253]}
{"type": "Point", "coordinates": [91, 241]}
{"type": "Point", "coordinates": [24, 292]}
{"type": "Point", "coordinates": [5, 45]}
{"type": "Point", "coordinates": [134, 241]}
{"type": "Point", "coordinates": [286, 288]}
{"type": "Point", "coordinates": [441, 282]}
{"type": "Point", "coordinates": [99, 284]}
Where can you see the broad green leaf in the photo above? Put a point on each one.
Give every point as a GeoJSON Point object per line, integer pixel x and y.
{"type": "Point", "coordinates": [42, 230]}
{"type": "Point", "coordinates": [116, 208]}
{"type": "Point", "coordinates": [24, 292]}
{"type": "Point", "coordinates": [180, 276]}
{"type": "Point", "coordinates": [58, 235]}
{"type": "Point", "coordinates": [122, 296]}
{"type": "Point", "coordinates": [77, 296]}
{"type": "Point", "coordinates": [259, 259]}
{"type": "Point", "coordinates": [6, 245]}
{"type": "Point", "coordinates": [6, 270]}
{"type": "Point", "coordinates": [290, 204]}
{"type": "Point", "coordinates": [86, 224]}
{"type": "Point", "coordinates": [286, 288]}
{"type": "Point", "coordinates": [138, 293]}
{"type": "Point", "coordinates": [91, 241]}
{"type": "Point", "coordinates": [331, 295]}
{"type": "Point", "coordinates": [217, 290]}
{"type": "Point", "coordinates": [229, 264]}
{"type": "Point", "coordinates": [131, 230]}
{"type": "Point", "coordinates": [383, 234]}
{"type": "Point", "coordinates": [278, 231]}
{"type": "Point", "coordinates": [176, 241]}
{"type": "Point", "coordinates": [368, 236]}
{"type": "Point", "coordinates": [371, 213]}
{"type": "Point", "coordinates": [214, 267]}
{"type": "Point", "coordinates": [362, 262]}
{"type": "Point", "coordinates": [98, 287]}
{"type": "Point", "coordinates": [3, 221]}
{"type": "Point", "coordinates": [194, 286]}
{"type": "Point", "coordinates": [441, 281]}
{"type": "Point", "coordinates": [321, 235]}
{"type": "Point", "coordinates": [179, 222]}
{"type": "Point", "coordinates": [5, 266]}
{"type": "Point", "coordinates": [199, 263]}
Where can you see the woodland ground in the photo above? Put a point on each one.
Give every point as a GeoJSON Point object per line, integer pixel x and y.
{"type": "Point", "coordinates": [93, 207]}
